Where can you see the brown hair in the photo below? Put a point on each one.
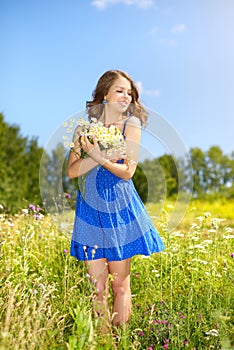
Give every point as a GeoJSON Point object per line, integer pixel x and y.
{"type": "Point", "coordinates": [95, 107]}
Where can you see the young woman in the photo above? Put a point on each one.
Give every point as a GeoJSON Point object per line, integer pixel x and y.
{"type": "Point", "coordinates": [111, 222]}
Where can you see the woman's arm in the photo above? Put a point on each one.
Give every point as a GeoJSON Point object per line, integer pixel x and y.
{"type": "Point", "coordinates": [125, 170]}
{"type": "Point", "coordinates": [78, 166]}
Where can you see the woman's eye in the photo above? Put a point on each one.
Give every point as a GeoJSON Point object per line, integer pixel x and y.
{"type": "Point", "coordinates": [119, 91]}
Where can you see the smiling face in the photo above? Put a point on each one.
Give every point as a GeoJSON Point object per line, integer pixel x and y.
{"type": "Point", "coordinates": [120, 94]}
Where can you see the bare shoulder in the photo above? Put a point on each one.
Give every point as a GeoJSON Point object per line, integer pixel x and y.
{"type": "Point", "coordinates": [133, 123]}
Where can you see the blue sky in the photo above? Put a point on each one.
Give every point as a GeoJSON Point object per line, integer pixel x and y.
{"type": "Point", "coordinates": [180, 52]}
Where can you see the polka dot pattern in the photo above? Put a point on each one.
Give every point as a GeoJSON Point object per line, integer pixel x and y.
{"type": "Point", "coordinates": [115, 232]}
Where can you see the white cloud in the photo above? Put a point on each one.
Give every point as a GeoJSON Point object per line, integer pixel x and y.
{"type": "Point", "coordinates": [147, 92]}
{"type": "Point", "coordinates": [179, 28]}
{"type": "Point", "coordinates": [103, 4]}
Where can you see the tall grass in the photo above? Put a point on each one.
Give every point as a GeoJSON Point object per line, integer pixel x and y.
{"type": "Point", "coordinates": [182, 297]}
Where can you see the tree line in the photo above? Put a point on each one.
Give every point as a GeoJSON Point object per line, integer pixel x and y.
{"type": "Point", "coordinates": [21, 182]}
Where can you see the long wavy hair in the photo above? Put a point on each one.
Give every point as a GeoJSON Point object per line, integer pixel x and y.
{"type": "Point", "coordinates": [95, 108]}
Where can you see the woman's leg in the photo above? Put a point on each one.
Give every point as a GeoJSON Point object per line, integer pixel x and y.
{"type": "Point", "coordinates": [98, 271]}
{"type": "Point", "coordinates": [121, 290]}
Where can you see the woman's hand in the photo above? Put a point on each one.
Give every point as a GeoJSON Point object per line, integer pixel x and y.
{"type": "Point", "coordinates": [92, 149]}
{"type": "Point", "coordinates": [114, 155]}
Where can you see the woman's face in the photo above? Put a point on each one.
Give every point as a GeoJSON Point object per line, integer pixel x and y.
{"type": "Point", "coordinates": [120, 94]}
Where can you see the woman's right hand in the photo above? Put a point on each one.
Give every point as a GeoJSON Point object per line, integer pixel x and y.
{"type": "Point", "coordinates": [114, 155]}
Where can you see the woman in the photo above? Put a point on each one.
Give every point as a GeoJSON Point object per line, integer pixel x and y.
{"type": "Point", "coordinates": [111, 222]}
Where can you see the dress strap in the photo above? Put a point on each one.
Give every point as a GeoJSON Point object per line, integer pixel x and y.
{"type": "Point", "coordinates": [125, 123]}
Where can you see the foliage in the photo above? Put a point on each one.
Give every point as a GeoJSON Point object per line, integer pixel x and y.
{"type": "Point", "coordinates": [19, 163]}
{"type": "Point", "coordinates": [21, 160]}
{"type": "Point", "coordinates": [182, 297]}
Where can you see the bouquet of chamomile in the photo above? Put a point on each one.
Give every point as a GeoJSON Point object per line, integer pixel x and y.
{"type": "Point", "coordinates": [109, 139]}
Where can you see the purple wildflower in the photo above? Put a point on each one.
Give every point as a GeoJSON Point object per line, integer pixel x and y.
{"type": "Point", "coordinates": [141, 333]}
{"type": "Point", "coordinates": [38, 216]}
{"type": "Point", "coordinates": [65, 251]}
{"type": "Point", "coordinates": [232, 255]}
{"type": "Point", "coordinates": [32, 207]}
{"type": "Point", "coordinates": [67, 195]}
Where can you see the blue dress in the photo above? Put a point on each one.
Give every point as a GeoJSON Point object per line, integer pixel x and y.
{"type": "Point", "coordinates": [110, 220]}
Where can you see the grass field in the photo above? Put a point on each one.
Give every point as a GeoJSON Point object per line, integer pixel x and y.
{"type": "Point", "coordinates": [183, 298]}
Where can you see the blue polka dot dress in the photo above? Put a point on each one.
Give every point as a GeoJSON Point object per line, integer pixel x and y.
{"type": "Point", "coordinates": [110, 220]}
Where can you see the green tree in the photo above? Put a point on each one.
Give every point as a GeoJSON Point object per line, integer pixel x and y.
{"type": "Point", "coordinates": [200, 173]}
{"type": "Point", "coordinates": [19, 165]}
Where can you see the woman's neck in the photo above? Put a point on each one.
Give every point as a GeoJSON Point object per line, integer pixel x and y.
{"type": "Point", "coordinates": [112, 118]}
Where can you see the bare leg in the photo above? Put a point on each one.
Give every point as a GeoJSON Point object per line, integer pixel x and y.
{"type": "Point", "coordinates": [121, 289]}
{"type": "Point", "coordinates": [98, 271]}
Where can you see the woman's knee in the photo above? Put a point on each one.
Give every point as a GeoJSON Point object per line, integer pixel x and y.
{"type": "Point", "coordinates": [120, 287]}
{"type": "Point", "coordinates": [101, 287]}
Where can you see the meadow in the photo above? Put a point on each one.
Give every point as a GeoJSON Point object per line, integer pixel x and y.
{"type": "Point", "coordinates": [183, 298]}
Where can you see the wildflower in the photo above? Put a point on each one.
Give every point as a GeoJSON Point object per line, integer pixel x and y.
{"type": "Point", "coordinates": [228, 229]}
{"type": "Point", "coordinates": [93, 251]}
{"type": "Point", "coordinates": [213, 332]}
{"type": "Point", "coordinates": [94, 120]}
{"type": "Point", "coordinates": [65, 251]}
{"type": "Point", "coordinates": [32, 207]}
{"type": "Point", "coordinates": [232, 255]}
{"type": "Point", "coordinates": [141, 333]}
{"type": "Point", "coordinates": [165, 346]}
{"type": "Point", "coordinates": [186, 342]}
{"type": "Point", "coordinates": [85, 252]}
{"type": "Point", "coordinates": [67, 195]}
{"type": "Point", "coordinates": [38, 216]}
{"type": "Point", "coordinates": [200, 218]}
